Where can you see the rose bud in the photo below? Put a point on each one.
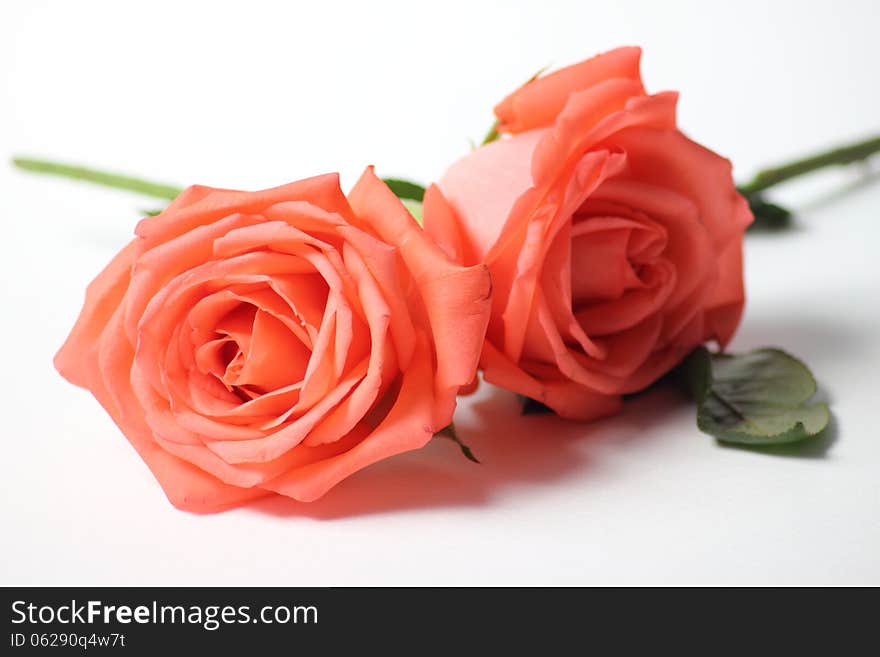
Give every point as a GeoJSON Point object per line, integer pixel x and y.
{"type": "Point", "coordinates": [249, 343]}
{"type": "Point", "coordinates": [614, 241]}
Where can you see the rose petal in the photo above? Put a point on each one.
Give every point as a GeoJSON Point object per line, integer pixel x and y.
{"type": "Point", "coordinates": [725, 305]}
{"type": "Point", "coordinates": [520, 261]}
{"type": "Point", "coordinates": [211, 206]}
{"type": "Point", "coordinates": [482, 187]}
{"type": "Point", "coordinates": [407, 426]}
{"type": "Point", "coordinates": [186, 486]}
{"type": "Point", "coordinates": [537, 103]}
{"type": "Point", "coordinates": [456, 299]}
{"type": "Point", "coordinates": [567, 398]}
{"type": "Point", "coordinates": [669, 160]}
{"type": "Point", "coordinates": [75, 360]}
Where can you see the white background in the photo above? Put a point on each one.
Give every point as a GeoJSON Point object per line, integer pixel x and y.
{"type": "Point", "coordinates": [255, 94]}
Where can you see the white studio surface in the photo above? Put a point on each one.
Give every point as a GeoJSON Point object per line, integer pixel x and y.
{"type": "Point", "coordinates": [255, 94]}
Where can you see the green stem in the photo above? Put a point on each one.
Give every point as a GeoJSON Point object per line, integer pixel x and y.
{"type": "Point", "coordinates": [767, 178]}
{"type": "Point", "coordinates": [763, 180]}
{"type": "Point", "coordinates": [157, 190]}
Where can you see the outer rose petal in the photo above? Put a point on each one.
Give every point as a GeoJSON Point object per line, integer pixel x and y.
{"type": "Point", "coordinates": [537, 103]}
{"type": "Point", "coordinates": [482, 188]}
{"type": "Point", "coordinates": [567, 398]}
{"type": "Point", "coordinates": [668, 159]}
{"type": "Point", "coordinates": [443, 226]}
{"type": "Point", "coordinates": [725, 306]}
{"type": "Point", "coordinates": [99, 329]}
{"type": "Point", "coordinates": [186, 486]}
{"type": "Point", "coordinates": [591, 117]}
{"type": "Point", "coordinates": [456, 299]}
{"type": "Point", "coordinates": [200, 207]}
{"type": "Point", "coordinates": [516, 260]}
{"type": "Point", "coordinates": [407, 426]}
{"type": "Point", "coordinates": [77, 357]}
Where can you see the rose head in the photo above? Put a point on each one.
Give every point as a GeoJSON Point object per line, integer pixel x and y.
{"type": "Point", "coordinates": [614, 241]}
{"type": "Point", "coordinates": [277, 341]}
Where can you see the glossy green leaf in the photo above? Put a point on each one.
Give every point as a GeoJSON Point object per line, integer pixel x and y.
{"type": "Point", "coordinates": [757, 398]}
{"type": "Point", "coordinates": [405, 189]}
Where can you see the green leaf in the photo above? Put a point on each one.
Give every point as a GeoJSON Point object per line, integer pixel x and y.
{"type": "Point", "coordinates": [152, 213]}
{"type": "Point", "coordinates": [405, 189]}
{"type": "Point", "coordinates": [449, 432]}
{"type": "Point", "coordinates": [757, 398]}
{"type": "Point", "coordinates": [768, 216]}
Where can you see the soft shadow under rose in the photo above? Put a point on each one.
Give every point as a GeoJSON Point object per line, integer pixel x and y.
{"type": "Point", "coordinates": [519, 455]}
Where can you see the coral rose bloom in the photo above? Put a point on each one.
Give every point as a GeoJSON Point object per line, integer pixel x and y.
{"type": "Point", "coordinates": [614, 241]}
{"type": "Point", "coordinates": [277, 341]}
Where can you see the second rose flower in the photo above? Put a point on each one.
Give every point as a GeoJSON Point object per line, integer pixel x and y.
{"type": "Point", "coordinates": [614, 241]}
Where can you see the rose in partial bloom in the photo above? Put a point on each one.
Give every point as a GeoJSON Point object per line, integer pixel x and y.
{"type": "Point", "coordinates": [614, 241]}
{"type": "Point", "coordinates": [249, 343]}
